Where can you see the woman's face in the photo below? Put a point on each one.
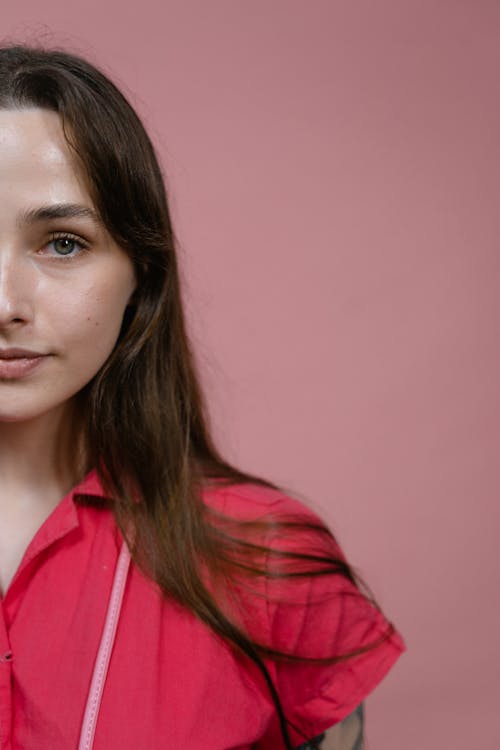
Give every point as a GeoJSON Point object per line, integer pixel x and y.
{"type": "Point", "coordinates": [64, 283]}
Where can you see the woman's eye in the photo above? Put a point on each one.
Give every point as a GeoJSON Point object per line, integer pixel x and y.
{"type": "Point", "coordinates": [66, 246]}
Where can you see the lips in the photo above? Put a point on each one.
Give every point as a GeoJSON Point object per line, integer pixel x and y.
{"type": "Point", "coordinates": [16, 353]}
{"type": "Point", "coordinates": [17, 363]}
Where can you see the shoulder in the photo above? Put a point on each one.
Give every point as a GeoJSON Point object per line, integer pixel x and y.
{"type": "Point", "coordinates": [242, 495]}
{"type": "Point", "coordinates": [271, 517]}
{"type": "Point", "coordinates": [249, 501]}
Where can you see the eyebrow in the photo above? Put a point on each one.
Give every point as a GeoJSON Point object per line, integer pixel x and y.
{"type": "Point", "coordinates": [57, 211]}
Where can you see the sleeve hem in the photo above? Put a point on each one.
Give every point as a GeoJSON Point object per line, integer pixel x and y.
{"type": "Point", "coordinates": [329, 707]}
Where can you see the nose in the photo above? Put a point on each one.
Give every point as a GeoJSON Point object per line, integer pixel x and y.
{"type": "Point", "coordinates": [15, 293]}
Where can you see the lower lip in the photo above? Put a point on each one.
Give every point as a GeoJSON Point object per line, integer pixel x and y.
{"type": "Point", "coordinates": [19, 367]}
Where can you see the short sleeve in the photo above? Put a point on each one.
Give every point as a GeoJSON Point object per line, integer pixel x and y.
{"type": "Point", "coordinates": [309, 616]}
{"type": "Point", "coordinates": [323, 616]}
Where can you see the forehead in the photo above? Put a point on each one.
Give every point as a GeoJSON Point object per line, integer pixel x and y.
{"type": "Point", "coordinates": [35, 159]}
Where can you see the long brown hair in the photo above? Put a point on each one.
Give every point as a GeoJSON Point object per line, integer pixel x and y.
{"type": "Point", "coordinates": [145, 422]}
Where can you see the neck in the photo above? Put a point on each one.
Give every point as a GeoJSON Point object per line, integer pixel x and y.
{"type": "Point", "coordinates": [40, 458]}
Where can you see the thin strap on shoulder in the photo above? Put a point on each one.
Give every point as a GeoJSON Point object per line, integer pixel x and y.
{"type": "Point", "coordinates": [104, 653]}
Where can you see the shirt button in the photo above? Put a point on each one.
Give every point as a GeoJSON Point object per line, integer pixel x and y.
{"type": "Point", "coordinates": [7, 656]}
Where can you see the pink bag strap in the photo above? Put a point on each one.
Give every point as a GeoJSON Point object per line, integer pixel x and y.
{"type": "Point", "coordinates": [104, 653]}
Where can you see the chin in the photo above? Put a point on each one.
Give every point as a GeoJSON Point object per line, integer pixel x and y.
{"type": "Point", "coordinates": [11, 412]}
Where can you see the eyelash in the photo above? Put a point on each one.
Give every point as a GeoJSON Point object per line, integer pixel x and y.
{"type": "Point", "coordinates": [71, 238]}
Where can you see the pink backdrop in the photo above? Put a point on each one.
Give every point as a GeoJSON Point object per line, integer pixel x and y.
{"type": "Point", "coordinates": [334, 175]}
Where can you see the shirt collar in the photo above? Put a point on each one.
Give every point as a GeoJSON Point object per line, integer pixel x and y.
{"type": "Point", "coordinates": [61, 521]}
{"type": "Point", "coordinates": [64, 519]}
{"type": "Point", "coordinates": [65, 516]}
{"type": "Point", "coordinates": [90, 485]}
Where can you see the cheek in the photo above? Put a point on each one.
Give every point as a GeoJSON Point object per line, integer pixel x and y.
{"type": "Point", "coordinates": [91, 321]}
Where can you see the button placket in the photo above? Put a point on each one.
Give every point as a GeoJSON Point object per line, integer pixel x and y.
{"type": "Point", "coordinates": [6, 658]}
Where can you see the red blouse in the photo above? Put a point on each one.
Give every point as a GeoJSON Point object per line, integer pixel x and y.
{"type": "Point", "coordinates": [171, 682]}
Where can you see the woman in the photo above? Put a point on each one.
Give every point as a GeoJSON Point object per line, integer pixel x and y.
{"type": "Point", "coordinates": [154, 596]}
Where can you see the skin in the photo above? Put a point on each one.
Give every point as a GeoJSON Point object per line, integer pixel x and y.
{"type": "Point", "coordinates": [346, 735]}
{"type": "Point", "coordinates": [61, 297]}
